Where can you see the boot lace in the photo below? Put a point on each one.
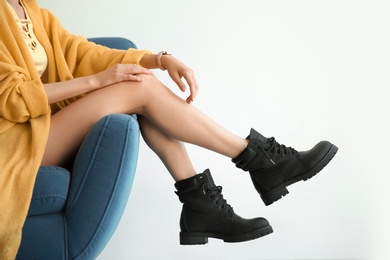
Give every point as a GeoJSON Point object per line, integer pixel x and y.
{"type": "Point", "coordinates": [281, 149]}
{"type": "Point", "coordinates": [215, 194]}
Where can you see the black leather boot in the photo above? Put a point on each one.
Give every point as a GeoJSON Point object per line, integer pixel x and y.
{"type": "Point", "coordinates": [206, 214]}
{"type": "Point", "coordinates": [273, 166]}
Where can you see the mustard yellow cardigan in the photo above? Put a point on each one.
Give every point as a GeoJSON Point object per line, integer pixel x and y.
{"type": "Point", "coordinates": [24, 109]}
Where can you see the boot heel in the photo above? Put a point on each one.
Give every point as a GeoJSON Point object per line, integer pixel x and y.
{"type": "Point", "coordinates": [273, 195]}
{"type": "Point", "coordinates": [193, 239]}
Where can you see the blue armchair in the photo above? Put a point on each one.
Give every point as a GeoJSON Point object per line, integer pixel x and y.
{"type": "Point", "coordinates": [73, 214]}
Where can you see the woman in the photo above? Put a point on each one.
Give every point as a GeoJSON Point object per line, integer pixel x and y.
{"type": "Point", "coordinates": [42, 64]}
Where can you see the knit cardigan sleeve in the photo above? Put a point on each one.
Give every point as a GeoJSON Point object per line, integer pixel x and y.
{"type": "Point", "coordinates": [74, 56]}
{"type": "Point", "coordinates": [81, 56]}
{"type": "Point", "coordinates": [22, 96]}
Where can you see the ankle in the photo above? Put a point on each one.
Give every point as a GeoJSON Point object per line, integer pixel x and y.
{"type": "Point", "coordinates": [240, 147]}
{"type": "Point", "coordinates": [180, 176]}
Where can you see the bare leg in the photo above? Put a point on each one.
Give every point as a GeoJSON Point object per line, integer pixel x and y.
{"type": "Point", "coordinates": [171, 152]}
{"type": "Point", "coordinates": [150, 98]}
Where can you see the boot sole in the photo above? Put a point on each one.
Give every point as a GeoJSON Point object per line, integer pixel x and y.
{"type": "Point", "coordinates": [280, 191]}
{"type": "Point", "coordinates": [201, 238]}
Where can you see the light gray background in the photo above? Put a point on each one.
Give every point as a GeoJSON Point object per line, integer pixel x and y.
{"type": "Point", "coordinates": [301, 71]}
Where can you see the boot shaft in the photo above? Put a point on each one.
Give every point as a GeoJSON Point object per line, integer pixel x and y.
{"type": "Point", "coordinates": [203, 202]}
{"type": "Point", "coordinates": [199, 193]}
{"type": "Point", "coordinates": [263, 153]}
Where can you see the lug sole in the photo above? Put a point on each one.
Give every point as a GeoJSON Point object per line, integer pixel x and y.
{"type": "Point", "coordinates": [280, 191]}
{"type": "Point", "coordinates": [201, 238]}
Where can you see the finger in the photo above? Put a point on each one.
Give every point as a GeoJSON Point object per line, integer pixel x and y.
{"type": "Point", "coordinates": [177, 79]}
{"type": "Point", "coordinates": [130, 77]}
{"type": "Point", "coordinates": [135, 69]}
{"type": "Point", "coordinates": [193, 84]}
{"type": "Point", "coordinates": [146, 71]}
{"type": "Point", "coordinates": [141, 70]}
{"type": "Point", "coordinates": [189, 100]}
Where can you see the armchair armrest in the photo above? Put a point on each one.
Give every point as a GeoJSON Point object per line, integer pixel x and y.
{"type": "Point", "coordinates": [114, 42]}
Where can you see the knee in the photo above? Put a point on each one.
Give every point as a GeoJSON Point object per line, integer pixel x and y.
{"type": "Point", "coordinates": [151, 86]}
{"type": "Point", "coordinates": [132, 96]}
{"type": "Point", "coordinates": [145, 87]}
{"type": "Point", "coordinates": [149, 80]}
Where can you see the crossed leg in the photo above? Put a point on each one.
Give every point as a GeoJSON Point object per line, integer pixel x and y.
{"type": "Point", "coordinates": [166, 121]}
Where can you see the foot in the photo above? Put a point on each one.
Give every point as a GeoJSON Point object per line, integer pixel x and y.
{"type": "Point", "coordinates": [273, 166]}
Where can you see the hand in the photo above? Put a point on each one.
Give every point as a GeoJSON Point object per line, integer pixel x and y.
{"type": "Point", "coordinates": [177, 70]}
{"type": "Point", "coordinates": [119, 73]}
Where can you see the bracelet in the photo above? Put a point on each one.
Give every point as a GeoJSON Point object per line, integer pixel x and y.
{"type": "Point", "coordinates": [159, 55]}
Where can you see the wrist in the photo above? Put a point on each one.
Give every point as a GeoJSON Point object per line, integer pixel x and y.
{"type": "Point", "coordinates": [91, 82]}
{"type": "Point", "coordinates": [161, 59]}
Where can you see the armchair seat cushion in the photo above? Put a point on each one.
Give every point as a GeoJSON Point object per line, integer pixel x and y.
{"type": "Point", "coordinates": [50, 191]}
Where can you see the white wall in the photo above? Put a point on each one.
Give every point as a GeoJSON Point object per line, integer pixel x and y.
{"type": "Point", "coordinates": [302, 71]}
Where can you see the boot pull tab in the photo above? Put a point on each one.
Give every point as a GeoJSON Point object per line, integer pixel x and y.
{"type": "Point", "coordinates": [204, 188]}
